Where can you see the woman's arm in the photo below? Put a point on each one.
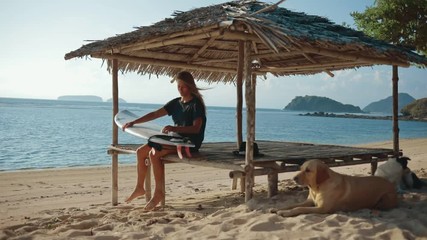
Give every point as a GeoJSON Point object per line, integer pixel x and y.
{"type": "Point", "coordinates": [193, 129]}
{"type": "Point", "coordinates": [147, 117]}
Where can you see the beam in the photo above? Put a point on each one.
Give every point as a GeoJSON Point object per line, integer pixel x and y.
{"type": "Point", "coordinates": [202, 49]}
{"type": "Point", "coordinates": [315, 66]}
{"type": "Point", "coordinates": [237, 35]}
{"type": "Point", "coordinates": [353, 57]}
{"type": "Point", "coordinates": [314, 61]}
{"type": "Point", "coordinates": [164, 63]}
{"type": "Point", "coordinates": [168, 41]}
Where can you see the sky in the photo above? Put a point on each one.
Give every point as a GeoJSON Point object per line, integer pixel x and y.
{"type": "Point", "coordinates": [35, 36]}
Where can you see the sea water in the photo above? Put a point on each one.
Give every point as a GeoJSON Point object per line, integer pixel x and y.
{"type": "Point", "coordinates": [38, 134]}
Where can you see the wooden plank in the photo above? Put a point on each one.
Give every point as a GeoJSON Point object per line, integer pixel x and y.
{"type": "Point", "coordinates": [290, 155]}
{"type": "Point", "coordinates": [220, 154]}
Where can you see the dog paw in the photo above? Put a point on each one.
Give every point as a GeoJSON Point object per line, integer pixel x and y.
{"type": "Point", "coordinates": [273, 210]}
{"type": "Point", "coordinates": [284, 213]}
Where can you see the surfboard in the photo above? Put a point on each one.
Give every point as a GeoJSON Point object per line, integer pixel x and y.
{"type": "Point", "coordinates": [152, 132]}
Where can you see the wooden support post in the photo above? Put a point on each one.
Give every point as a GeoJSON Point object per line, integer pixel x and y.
{"type": "Point", "coordinates": [236, 175]}
{"type": "Point", "coordinates": [115, 157]}
{"type": "Point", "coordinates": [395, 112]}
{"type": "Point", "coordinates": [242, 184]}
{"type": "Point", "coordinates": [239, 86]}
{"type": "Point", "coordinates": [250, 84]}
{"type": "Point", "coordinates": [374, 166]}
{"type": "Point", "coordinates": [234, 183]}
{"type": "Point", "coordinates": [273, 179]}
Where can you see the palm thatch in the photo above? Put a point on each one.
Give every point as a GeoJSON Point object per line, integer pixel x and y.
{"type": "Point", "coordinates": [206, 41]}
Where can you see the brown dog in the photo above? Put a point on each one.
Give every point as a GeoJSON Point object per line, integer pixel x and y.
{"type": "Point", "coordinates": [331, 191]}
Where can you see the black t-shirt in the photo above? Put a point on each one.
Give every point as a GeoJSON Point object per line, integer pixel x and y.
{"type": "Point", "coordinates": [183, 114]}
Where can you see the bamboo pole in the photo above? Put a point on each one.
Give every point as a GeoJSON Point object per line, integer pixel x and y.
{"type": "Point", "coordinates": [203, 48]}
{"type": "Point", "coordinates": [164, 63]}
{"type": "Point", "coordinates": [170, 36]}
{"type": "Point", "coordinates": [395, 111]}
{"type": "Point", "coordinates": [267, 54]}
{"type": "Point", "coordinates": [115, 157]}
{"type": "Point", "coordinates": [237, 35]}
{"type": "Point", "coordinates": [173, 41]}
{"type": "Point", "coordinates": [250, 120]}
{"type": "Point", "coordinates": [222, 60]}
{"type": "Point", "coordinates": [312, 67]}
{"type": "Point", "coordinates": [239, 86]}
{"type": "Point", "coordinates": [314, 61]}
{"type": "Point", "coordinates": [353, 57]}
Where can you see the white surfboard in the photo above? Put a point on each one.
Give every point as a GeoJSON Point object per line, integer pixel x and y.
{"type": "Point", "coordinates": [152, 132]}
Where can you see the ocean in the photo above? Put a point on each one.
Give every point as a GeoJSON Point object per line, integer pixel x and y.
{"type": "Point", "coordinates": [40, 134]}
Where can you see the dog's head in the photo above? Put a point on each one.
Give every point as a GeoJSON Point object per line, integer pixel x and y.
{"type": "Point", "coordinates": [312, 174]}
{"type": "Point", "coordinates": [403, 161]}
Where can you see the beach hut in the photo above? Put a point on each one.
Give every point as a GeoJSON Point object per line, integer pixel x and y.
{"type": "Point", "coordinates": [239, 42]}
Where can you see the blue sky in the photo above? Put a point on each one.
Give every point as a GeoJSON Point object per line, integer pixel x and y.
{"type": "Point", "coordinates": [35, 35]}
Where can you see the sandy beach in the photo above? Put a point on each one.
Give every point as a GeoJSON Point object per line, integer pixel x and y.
{"type": "Point", "coordinates": [76, 203]}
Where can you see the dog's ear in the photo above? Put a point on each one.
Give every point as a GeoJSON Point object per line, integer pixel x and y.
{"type": "Point", "coordinates": [321, 174]}
{"type": "Point", "coordinates": [403, 161]}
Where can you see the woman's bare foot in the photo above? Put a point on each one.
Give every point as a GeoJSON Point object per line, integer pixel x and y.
{"type": "Point", "coordinates": [136, 193]}
{"type": "Point", "coordinates": [156, 199]}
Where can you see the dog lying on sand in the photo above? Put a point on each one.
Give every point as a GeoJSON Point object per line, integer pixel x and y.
{"type": "Point", "coordinates": [397, 172]}
{"type": "Point", "coordinates": [330, 191]}
{"type": "Point", "coordinates": [392, 170]}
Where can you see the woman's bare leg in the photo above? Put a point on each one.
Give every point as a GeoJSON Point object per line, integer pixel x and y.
{"type": "Point", "coordinates": [141, 168]}
{"type": "Point", "coordinates": [158, 170]}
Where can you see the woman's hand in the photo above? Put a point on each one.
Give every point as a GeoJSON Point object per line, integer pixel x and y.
{"type": "Point", "coordinates": [167, 129]}
{"type": "Point", "coordinates": [128, 124]}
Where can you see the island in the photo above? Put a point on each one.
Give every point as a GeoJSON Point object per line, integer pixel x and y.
{"type": "Point", "coordinates": [386, 105]}
{"type": "Point", "coordinates": [80, 98]}
{"type": "Point", "coordinates": [121, 100]}
{"type": "Point", "coordinates": [320, 104]}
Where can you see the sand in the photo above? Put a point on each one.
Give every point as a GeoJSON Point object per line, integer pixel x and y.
{"type": "Point", "coordinates": [74, 203]}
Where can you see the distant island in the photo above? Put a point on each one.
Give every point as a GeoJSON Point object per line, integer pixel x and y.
{"type": "Point", "coordinates": [86, 98]}
{"type": "Point", "coordinates": [320, 104]}
{"type": "Point", "coordinates": [386, 105]}
{"type": "Point", "coordinates": [81, 98]}
{"type": "Point", "coordinates": [333, 115]}
{"type": "Point", "coordinates": [410, 109]}
{"type": "Point", "coordinates": [121, 100]}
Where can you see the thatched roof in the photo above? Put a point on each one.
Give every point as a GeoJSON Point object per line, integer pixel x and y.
{"type": "Point", "coordinates": [206, 42]}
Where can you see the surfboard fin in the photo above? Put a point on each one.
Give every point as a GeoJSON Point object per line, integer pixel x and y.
{"type": "Point", "coordinates": [179, 151]}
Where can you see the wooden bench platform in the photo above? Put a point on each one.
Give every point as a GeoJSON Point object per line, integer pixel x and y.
{"type": "Point", "coordinates": [278, 157]}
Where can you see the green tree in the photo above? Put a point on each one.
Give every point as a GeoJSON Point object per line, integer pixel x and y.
{"type": "Point", "coordinates": [401, 22]}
